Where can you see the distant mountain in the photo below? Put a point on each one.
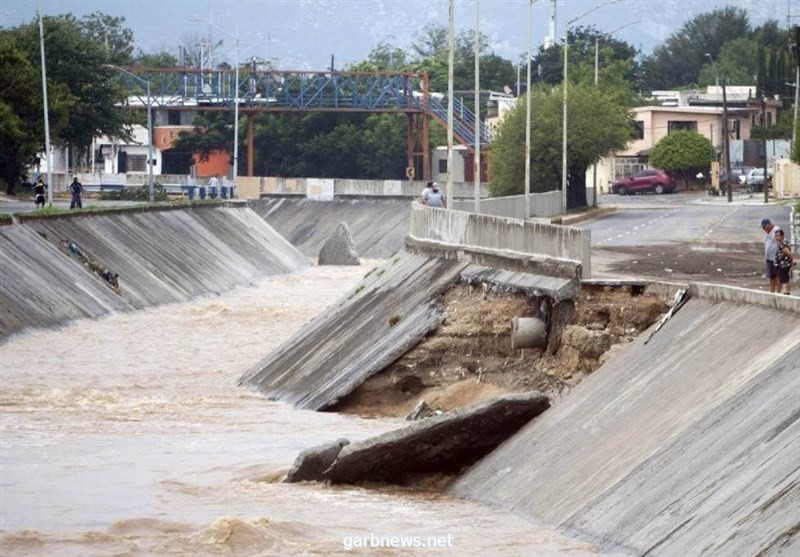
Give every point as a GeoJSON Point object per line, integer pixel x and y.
{"type": "Point", "coordinates": [303, 34]}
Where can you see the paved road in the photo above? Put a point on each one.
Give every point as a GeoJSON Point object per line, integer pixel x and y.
{"type": "Point", "coordinates": [665, 219]}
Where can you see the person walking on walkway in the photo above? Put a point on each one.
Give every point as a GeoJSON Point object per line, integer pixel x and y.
{"type": "Point", "coordinates": [77, 189]}
{"type": "Point", "coordinates": [784, 259]}
{"type": "Point", "coordinates": [770, 250]}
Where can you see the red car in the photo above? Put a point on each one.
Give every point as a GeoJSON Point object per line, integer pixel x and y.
{"type": "Point", "coordinates": [648, 180]}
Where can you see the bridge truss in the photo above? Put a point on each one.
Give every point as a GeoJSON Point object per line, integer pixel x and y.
{"type": "Point", "coordinates": [262, 91]}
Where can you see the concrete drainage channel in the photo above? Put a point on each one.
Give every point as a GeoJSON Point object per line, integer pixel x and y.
{"type": "Point", "coordinates": [473, 375]}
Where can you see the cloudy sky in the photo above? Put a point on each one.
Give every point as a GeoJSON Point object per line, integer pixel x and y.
{"type": "Point", "coordinates": [303, 34]}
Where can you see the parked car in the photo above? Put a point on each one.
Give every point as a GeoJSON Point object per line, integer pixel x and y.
{"type": "Point", "coordinates": [739, 174]}
{"type": "Point", "coordinates": [648, 180]}
{"type": "Point", "coordinates": [755, 180]}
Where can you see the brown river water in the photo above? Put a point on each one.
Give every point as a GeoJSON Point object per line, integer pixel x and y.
{"type": "Point", "coordinates": [128, 436]}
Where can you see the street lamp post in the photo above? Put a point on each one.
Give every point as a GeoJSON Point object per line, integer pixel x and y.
{"type": "Point", "coordinates": [564, 115]}
{"type": "Point", "coordinates": [150, 193]}
{"type": "Point", "coordinates": [596, 81]}
{"type": "Point", "coordinates": [477, 165]}
{"type": "Point", "coordinates": [528, 115]}
{"type": "Point", "coordinates": [235, 172]}
{"type": "Point", "coordinates": [450, 59]}
{"type": "Point", "coordinates": [726, 150]}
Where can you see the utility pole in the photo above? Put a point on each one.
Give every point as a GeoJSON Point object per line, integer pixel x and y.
{"type": "Point", "coordinates": [726, 140]}
{"type": "Point", "coordinates": [764, 122]}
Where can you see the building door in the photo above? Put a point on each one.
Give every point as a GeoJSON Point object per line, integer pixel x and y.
{"type": "Point", "coordinates": [122, 162]}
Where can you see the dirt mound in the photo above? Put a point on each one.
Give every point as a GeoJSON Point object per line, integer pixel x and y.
{"type": "Point", "coordinates": [469, 358]}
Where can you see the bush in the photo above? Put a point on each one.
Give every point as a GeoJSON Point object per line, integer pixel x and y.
{"type": "Point", "coordinates": [138, 193]}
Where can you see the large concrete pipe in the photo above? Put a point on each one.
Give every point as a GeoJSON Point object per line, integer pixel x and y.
{"type": "Point", "coordinates": [528, 332]}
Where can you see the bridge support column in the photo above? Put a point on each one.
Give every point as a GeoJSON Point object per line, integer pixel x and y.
{"type": "Point", "coordinates": [249, 144]}
{"type": "Point", "coordinates": [426, 148]}
{"type": "Point", "coordinates": [410, 141]}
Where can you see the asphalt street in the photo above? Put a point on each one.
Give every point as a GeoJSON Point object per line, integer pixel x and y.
{"type": "Point", "coordinates": [682, 218]}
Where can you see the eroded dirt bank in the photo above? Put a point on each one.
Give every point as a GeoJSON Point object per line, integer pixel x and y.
{"type": "Point", "coordinates": [469, 358]}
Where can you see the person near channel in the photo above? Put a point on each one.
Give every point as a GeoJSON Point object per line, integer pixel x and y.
{"type": "Point", "coordinates": [38, 193]}
{"type": "Point", "coordinates": [784, 259]}
{"type": "Point", "coordinates": [435, 197]}
{"type": "Point", "coordinates": [77, 189]}
{"type": "Point", "coordinates": [428, 188]}
{"type": "Point", "coordinates": [770, 250]}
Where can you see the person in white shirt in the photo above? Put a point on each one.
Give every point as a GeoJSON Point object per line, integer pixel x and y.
{"type": "Point", "coordinates": [435, 198]}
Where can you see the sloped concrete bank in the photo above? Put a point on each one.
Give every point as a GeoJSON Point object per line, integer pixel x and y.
{"type": "Point", "coordinates": [684, 445]}
{"type": "Point", "coordinates": [161, 255]}
{"type": "Point", "coordinates": [400, 303]}
{"type": "Point", "coordinates": [379, 225]}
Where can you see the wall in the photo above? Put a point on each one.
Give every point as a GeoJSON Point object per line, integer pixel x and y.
{"type": "Point", "coordinates": [786, 180]}
{"type": "Point", "coordinates": [502, 235]}
{"type": "Point", "coordinates": [543, 205]}
{"type": "Point", "coordinates": [256, 186]}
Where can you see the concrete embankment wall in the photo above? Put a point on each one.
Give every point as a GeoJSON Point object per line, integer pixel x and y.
{"type": "Point", "coordinates": [688, 444]}
{"type": "Point", "coordinates": [399, 303]}
{"type": "Point", "coordinates": [379, 225]}
{"type": "Point", "coordinates": [513, 238]}
{"type": "Point", "coordinates": [161, 255]}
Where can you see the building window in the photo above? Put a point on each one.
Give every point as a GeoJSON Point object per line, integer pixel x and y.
{"type": "Point", "coordinates": [174, 117]}
{"type": "Point", "coordinates": [638, 129]}
{"type": "Point", "coordinates": [769, 119]}
{"type": "Point", "coordinates": [137, 163]}
{"type": "Point", "coordinates": [675, 125]}
{"type": "Point", "coordinates": [736, 130]}
{"type": "Point", "coordinates": [442, 166]}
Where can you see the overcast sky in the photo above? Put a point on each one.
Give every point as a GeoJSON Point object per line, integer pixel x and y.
{"type": "Point", "coordinates": [303, 34]}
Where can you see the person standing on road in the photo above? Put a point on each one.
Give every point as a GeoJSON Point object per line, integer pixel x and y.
{"type": "Point", "coordinates": [38, 192]}
{"type": "Point", "coordinates": [784, 259]}
{"type": "Point", "coordinates": [77, 189]}
{"type": "Point", "coordinates": [770, 250]}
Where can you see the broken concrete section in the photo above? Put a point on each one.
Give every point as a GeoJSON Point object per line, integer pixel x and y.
{"type": "Point", "coordinates": [441, 444]}
{"type": "Point", "coordinates": [339, 249]}
{"type": "Point", "coordinates": [311, 463]}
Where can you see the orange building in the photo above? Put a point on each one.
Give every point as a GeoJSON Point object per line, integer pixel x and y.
{"type": "Point", "coordinates": [218, 163]}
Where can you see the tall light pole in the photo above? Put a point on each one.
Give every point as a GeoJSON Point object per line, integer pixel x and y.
{"type": "Point", "coordinates": [726, 149]}
{"type": "Point", "coordinates": [564, 115]}
{"type": "Point", "coordinates": [477, 166]}
{"type": "Point", "coordinates": [235, 172]}
{"type": "Point", "coordinates": [48, 150]}
{"type": "Point", "coordinates": [528, 114]}
{"type": "Point", "coordinates": [150, 194]}
{"type": "Point", "coordinates": [596, 81]}
{"type": "Point", "coordinates": [450, 56]}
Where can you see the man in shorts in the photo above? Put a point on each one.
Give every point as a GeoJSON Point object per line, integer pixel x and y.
{"type": "Point", "coordinates": [770, 250]}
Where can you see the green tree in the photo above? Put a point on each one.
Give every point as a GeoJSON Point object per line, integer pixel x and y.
{"type": "Point", "coordinates": [109, 31]}
{"type": "Point", "coordinates": [613, 55]}
{"type": "Point", "coordinates": [212, 133]}
{"type": "Point", "coordinates": [684, 153]}
{"type": "Point", "coordinates": [737, 62]}
{"type": "Point", "coordinates": [598, 124]}
{"type": "Point", "coordinates": [678, 62]}
{"type": "Point", "coordinates": [21, 112]}
{"type": "Point", "coordinates": [75, 61]}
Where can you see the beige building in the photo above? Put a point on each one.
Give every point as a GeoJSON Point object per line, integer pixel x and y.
{"type": "Point", "coordinates": [697, 110]}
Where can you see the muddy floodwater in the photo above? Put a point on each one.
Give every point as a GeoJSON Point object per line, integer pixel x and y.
{"type": "Point", "coordinates": [128, 436]}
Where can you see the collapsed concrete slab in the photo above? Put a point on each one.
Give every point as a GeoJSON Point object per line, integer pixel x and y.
{"type": "Point", "coordinates": [339, 249]}
{"type": "Point", "coordinates": [312, 462]}
{"type": "Point", "coordinates": [441, 444]}
{"type": "Point", "coordinates": [685, 443]}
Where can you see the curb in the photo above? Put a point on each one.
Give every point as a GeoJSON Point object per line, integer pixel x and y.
{"type": "Point", "coordinates": [581, 217]}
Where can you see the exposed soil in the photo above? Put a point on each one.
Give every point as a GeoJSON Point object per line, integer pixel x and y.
{"type": "Point", "coordinates": [469, 357]}
{"type": "Point", "coordinates": [740, 264]}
